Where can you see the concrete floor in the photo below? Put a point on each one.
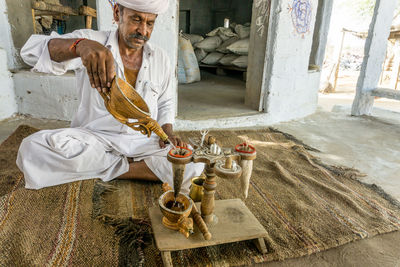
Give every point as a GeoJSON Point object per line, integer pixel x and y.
{"type": "Point", "coordinates": [370, 144]}
{"type": "Point", "coordinates": [213, 97]}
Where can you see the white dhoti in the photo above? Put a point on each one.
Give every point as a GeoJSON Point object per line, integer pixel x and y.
{"type": "Point", "coordinates": [53, 157]}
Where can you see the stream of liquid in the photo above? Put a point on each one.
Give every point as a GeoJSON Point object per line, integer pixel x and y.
{"type": "Point", "coordinates": [172, 144]}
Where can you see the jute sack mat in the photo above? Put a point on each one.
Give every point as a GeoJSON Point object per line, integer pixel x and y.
{"type": "Point", "coordinates": [305, 205]}
{"type": "Point", "coordinates": [52, 226]}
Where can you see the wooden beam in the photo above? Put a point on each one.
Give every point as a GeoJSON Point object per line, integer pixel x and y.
{"type": "Point", "coordinates": [386, 93]}
{"type": "Point", "coordinates": [40, 5]}
{"type": "Point", "coordinates": [89, 22]}
{"type": "Point", "coordinates": [33, 21]}
{"type": "Point", "coordinates": [88, 11]}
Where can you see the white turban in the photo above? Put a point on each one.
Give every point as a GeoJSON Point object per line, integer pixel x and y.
{"type": "Point", "coordinates": [148, 6]}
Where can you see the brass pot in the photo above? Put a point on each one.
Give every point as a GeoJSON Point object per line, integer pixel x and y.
{"type": "Point", "coordinates": [196, 189]}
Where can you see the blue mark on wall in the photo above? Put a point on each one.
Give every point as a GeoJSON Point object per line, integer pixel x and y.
{"type": "Point", "coordinates": [301, 11]}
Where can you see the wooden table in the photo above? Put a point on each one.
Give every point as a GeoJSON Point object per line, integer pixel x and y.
{"type": "Point", "coordinates": [235, 223]}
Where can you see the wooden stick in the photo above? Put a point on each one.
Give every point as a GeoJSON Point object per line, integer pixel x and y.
{"type": "Point", "coordinates": [200, 223]}
{"type": "Point", "coordinates": [338, 63]}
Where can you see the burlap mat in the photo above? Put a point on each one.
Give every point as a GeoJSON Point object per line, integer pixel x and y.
{"type": "Point", "coordinates": [305, 206]}
{"type": "Point", "coordinates": [52, 226]}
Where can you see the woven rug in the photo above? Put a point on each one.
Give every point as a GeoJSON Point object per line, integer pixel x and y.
{"type": "Point", "coordinates": [304, 205]}
{"type": "Point", "coordinates": [52, 226]}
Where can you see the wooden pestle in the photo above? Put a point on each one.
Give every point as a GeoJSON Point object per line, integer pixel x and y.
{"type": "Point", "coordinates": [200, 223]}
{"type": "Point", "coordinates": [179, 171]}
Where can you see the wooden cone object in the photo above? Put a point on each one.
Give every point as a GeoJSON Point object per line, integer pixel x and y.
{"type": "Point", "coordinates": [247, 155]}
{"type": "Point", "coordinates": [247, 169]}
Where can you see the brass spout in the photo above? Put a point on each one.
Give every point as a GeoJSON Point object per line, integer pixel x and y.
{"type": "Point", "coordinates": [124, 103]}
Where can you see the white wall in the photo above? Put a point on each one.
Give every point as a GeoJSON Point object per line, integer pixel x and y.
{"type": "Point", "coordinates": [104, 16]}
{"type": "Point", "coordinates": [7, 61]}
{"type": "Point", "coordinates": [292, 91]}
{"type": "Point", "coordinates": [46, 96]}
{"type": "Point", "coordinates": [165, 35]}
{"type": "Point", "coordinates": [6, 41]}
{"type": "Point", "coordinates": [8, 105]}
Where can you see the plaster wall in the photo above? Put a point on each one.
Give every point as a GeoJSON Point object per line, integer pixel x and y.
{"type": "Point", "coordinates": [6, 40]}
{"type": "Point", "coordinates": [105, 20]}
{"type": "Point", "coordinates": [8, 105]}
{"type": "Point", "coordinates": [291, 90]}
{"type": "Point", "coordinates": [46, 96]}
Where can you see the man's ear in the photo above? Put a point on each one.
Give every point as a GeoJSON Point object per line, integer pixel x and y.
{"type": "Point", "coordinates": [116, 13]}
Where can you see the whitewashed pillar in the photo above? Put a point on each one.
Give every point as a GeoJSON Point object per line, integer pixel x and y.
{"type": "Point", "coordinates": [8, 105]}
{"type": "Point", "coordinates": [374, 55]}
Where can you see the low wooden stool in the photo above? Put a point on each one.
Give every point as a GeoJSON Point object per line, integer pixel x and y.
{"type": "Point", "coordinates": [235, 223]}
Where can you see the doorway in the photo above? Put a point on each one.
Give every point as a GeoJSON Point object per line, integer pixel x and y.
{"type": "Point", "coordinates": [223, 87]}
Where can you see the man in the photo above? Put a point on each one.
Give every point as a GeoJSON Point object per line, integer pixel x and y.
{"type": "Point", "coordinates": [97, 145]}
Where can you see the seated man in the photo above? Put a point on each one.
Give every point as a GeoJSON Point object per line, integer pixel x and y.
{"type": "Point", "coordinates": [97, 145]}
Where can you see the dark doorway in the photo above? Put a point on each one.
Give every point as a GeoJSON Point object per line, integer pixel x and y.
{"type": "Point", "coordinates": [184, 21]}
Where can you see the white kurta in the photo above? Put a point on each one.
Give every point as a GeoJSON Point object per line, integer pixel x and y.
{"type": "Point", "coordinates": [97, 145]}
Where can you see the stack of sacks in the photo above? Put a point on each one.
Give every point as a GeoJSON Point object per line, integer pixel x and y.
{"type": "Point", "coordinates": [223, 46]}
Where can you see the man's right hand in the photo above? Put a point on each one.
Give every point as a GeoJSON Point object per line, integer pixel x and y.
{"type": "Point", "coordinates": [99, 63]}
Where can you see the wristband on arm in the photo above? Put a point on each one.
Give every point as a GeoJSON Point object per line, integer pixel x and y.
{"type": "Point", "coordinates": [72, 48]}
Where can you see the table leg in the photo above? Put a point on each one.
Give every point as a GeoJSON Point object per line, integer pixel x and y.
{"type": "Point", "coordinates": [166, 257]}
{"type": "Point", "coordinates": [260, 243]}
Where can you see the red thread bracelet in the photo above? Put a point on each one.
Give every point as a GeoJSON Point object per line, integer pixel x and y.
{"type": "Point", "coordinates": [72, 48]}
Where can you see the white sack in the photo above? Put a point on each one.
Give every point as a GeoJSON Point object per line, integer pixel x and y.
{"type": "Point", "coordinates": [241, 62]}
{"type": "Point", "coordinates": [240, 47]}
{"type": "Point", "coordinates": [209, 44]}
{"type": "Point", "coordinates": [223, 33]}
{"type": "Point", "coordinates": [193, 38]}
{"type": "Point", "coordinates": [223, 48]}
{"type": "Point", "coordinates": [242, 31]}
{"type": "Point", "coordinates": [212, 58]}
{"type": "Point", "coordinates": [188, 68]}
{"type": "Point", "coordinates": [227, 59]}
{"type": "Point", "coordinates": [200, 54]}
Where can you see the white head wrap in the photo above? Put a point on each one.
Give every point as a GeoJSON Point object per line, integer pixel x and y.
{"type": "Point", "coordinates": [148, 6]}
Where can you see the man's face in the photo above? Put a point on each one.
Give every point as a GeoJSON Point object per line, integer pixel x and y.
{"type": "Point", "coordinates": [135, 27]}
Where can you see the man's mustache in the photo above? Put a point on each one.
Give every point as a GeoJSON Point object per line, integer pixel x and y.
{"type": "Point", "coordinates": [138, 36]}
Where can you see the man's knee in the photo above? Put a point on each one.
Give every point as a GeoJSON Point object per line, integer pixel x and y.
{"type": "Point", "coordinates": [28, 160]}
